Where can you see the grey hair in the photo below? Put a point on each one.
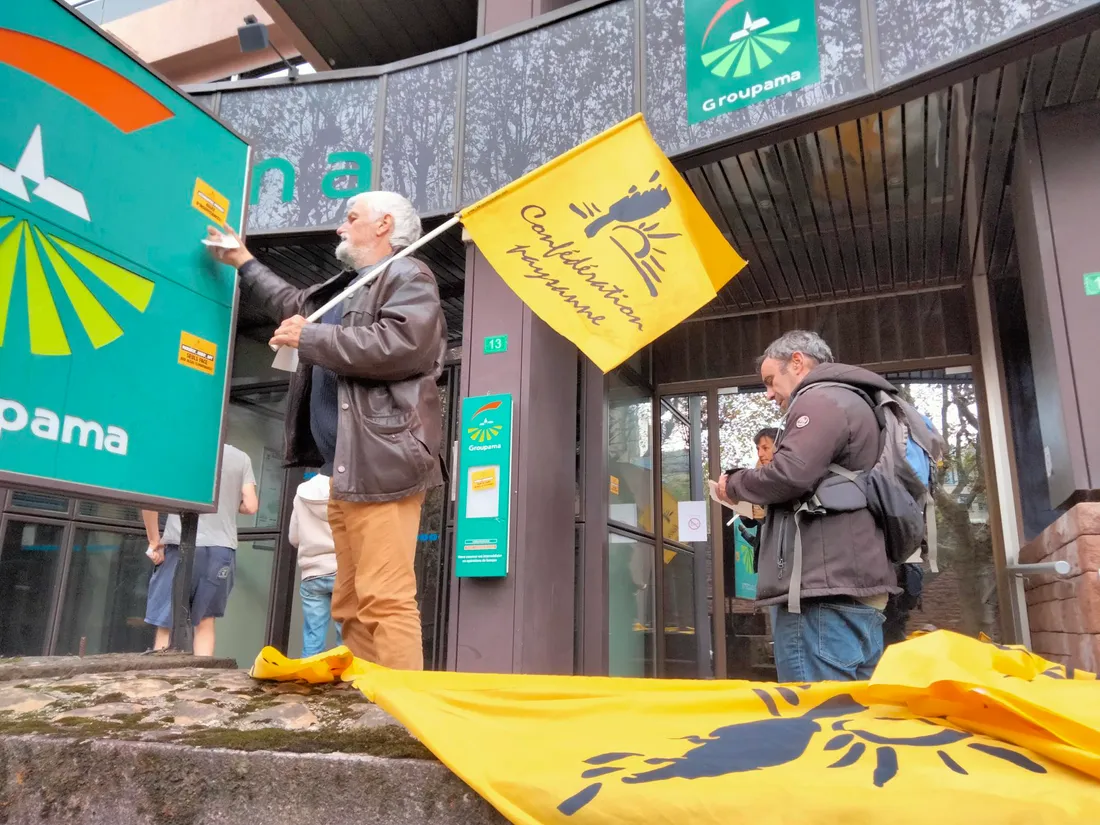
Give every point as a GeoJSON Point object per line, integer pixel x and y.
{"type": "Point", "coordinates": [406, 223]}
{"type": "Point", "coordinates": [810, 344]}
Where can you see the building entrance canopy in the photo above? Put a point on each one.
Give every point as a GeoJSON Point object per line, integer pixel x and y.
{"type": "Point", "coordinates": [450, 127]}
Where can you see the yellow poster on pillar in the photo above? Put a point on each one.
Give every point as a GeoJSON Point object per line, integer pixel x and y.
{"type": "Point", "coordinates": [606, 243]}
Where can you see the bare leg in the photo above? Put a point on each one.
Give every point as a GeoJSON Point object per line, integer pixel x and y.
{"type": "Point", "coordinates": [204, 637]}
{"type": "Point", "coordinates": [163, 638]}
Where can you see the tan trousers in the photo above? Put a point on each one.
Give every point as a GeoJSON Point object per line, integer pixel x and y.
{"type": "Point", "coordinates": [374, 597]}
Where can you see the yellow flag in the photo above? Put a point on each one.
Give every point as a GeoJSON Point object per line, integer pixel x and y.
{"type": "Point", "coordinates": [606, 243]}
{"type": "Point", "coordinates": [949, 730]}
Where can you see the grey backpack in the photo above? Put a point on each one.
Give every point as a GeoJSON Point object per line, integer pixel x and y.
{"type": "Point", "coordinates": [891, 490]}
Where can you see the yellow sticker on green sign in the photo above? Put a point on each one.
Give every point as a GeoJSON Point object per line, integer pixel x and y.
{"type": "Point", "coordinates": [197, 353]}
{"type": "Point", "coordinates": [484, 479]}
{"type": "Point", "coordinates": [210, 202]}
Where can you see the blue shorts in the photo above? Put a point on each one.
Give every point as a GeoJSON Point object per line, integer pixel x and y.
{"type": "Point", "coordinates": [211, 581]}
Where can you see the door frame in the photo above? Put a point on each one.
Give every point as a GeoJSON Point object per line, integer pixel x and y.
{"type": "Point", "coordinates": [998, 469]}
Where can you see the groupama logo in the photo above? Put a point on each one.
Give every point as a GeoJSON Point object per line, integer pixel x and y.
{"type": "Point", "coordinates": [755, 45]}
{"type": "Point", "coordinates": [742, 52]}
{"type": "Point", "coordinates": [486, 429]}
{"type": "Point", "coordinates": [50, 268]}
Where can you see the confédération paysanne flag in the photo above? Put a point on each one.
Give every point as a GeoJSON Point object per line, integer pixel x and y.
{"type": "Point", "coordinates": [606, 243]}
{"type": "Point", "coordinates": [948, 730]}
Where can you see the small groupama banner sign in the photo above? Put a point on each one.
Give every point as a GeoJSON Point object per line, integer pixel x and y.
{"type": "Point", "coordinates": [740, 52]}
{"type": "Point", "coordinates": [484, 487]}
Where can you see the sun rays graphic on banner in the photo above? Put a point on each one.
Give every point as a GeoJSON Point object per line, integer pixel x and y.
{"type": "Point", "coordinates": [25, 251]}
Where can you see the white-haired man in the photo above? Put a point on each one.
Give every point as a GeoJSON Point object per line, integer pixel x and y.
{"type": "Point", "coordinates": [364, 407]}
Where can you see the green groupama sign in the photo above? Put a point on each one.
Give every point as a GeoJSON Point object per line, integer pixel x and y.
{"type": "Point", "coordinates": [484, 487]}
{"type": "Point", "coordinates": [741, 52]}
{"type": "Point", "coordinates": [115, 326]}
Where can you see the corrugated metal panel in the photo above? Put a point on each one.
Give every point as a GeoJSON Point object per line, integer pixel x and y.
{"type": "Point", "coordinates": [352, 33]}
{"type": "Point", "coordinates": [875, 205]}
{"type": "Point", "coordinates": [879, 332]}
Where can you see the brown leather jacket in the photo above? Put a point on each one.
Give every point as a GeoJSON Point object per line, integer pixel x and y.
{"type": "Point", "coordinates": [387, 354]}
{"type": "Point", "coordinates": [843, 553]}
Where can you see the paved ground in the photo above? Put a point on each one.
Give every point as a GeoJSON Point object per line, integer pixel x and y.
{"type": "Point", "coordinates": [206, 707]}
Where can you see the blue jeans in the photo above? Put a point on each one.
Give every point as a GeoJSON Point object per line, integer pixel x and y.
{"type": "Point", "coordinates": [838, 641]}
{"type": "Point", "coordinates": [316, 596]}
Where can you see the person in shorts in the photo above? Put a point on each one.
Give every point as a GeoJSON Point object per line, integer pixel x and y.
{"type": "Point", "coordinates": [215, 555]}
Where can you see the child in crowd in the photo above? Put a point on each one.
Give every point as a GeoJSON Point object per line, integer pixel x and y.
{"type": "Point", "coordinates": [311, 534]}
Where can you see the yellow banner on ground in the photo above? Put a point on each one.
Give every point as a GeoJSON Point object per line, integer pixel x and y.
{"type": "Point", "coordinates": [949, 730]}
{"type": "Point", "coordinates": [606, 243]}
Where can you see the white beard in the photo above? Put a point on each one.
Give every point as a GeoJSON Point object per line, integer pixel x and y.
{"type": "Point", "coordinates": [345, 254]}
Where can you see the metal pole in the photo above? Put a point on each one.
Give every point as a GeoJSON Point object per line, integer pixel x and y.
{"type": "Point", "coordinates": [182, 629]}
{"type": "Point", "coordinates": [700, 560]}
{"type": "Point", "coordinates": [1054, 568]}
{"type": "Point", "coordinates": [718, 567]}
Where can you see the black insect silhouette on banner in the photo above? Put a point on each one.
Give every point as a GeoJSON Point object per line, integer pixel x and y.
{"type": "Point", "coordinates": [630, 232]}
{"type": "Point", "coordinates": [780, 740]}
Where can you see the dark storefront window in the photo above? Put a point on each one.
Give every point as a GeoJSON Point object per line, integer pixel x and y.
{"type": "Point", "coordinates": [105, 594]}
{"type": "Point", "coordinates": [681, 647]}
{"type": "Point", "coordinates": [28, 567]}
{"type": "Point", "coordinates": [26, 500]}
{"type": "Point", "coordinates": [107, 511]}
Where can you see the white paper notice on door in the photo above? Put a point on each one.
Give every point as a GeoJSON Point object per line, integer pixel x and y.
{"type": "Point", "coordinates": [482, 495]}
{"type": "Point", "coordinates": [693, 521]}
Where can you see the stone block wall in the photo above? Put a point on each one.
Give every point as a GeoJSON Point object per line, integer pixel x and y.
{"type": "Point", "coordinates": [1064, 613]}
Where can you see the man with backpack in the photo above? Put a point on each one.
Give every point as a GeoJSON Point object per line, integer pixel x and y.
{"type": "Point", "coordinates": [834, 505]}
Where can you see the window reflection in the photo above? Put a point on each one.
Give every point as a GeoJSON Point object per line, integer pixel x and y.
{"type": "Point", "coordinates": [963, 595]}
{"type": "Point", "coordinates": [681, 647]}
{"type": "Point", "coordinates": [256, 427]}
{"type": "Point", "coordinates": [28, 500]}
{"type": "Point", "coordinates": [629, 454]}
{"type": "Point", "coordinates": [105, 595]}
{"type": "Point", "coordinates": [240, 633]}
{"type": "Point", "coordinates": [108, 511]}
{"type": "Point", "coordinates": [631, 609]}
{"type": "Point", "coordinates": [28, 566]}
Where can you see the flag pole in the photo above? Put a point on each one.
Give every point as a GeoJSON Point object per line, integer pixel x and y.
{"type": "Point", "coordinates": [286, 358]}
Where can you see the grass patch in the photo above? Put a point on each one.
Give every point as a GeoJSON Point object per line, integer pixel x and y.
{"type": "Point", "coordinates": [100, 727]}
{"type": "Point", "coordinates": [112, 698]}
{"type": "Point", "coordinates": [75, 690]}
{"type": "Point", "coordinates": [26, 725]}
{"type": "Point", "coordinates": [390, 741]}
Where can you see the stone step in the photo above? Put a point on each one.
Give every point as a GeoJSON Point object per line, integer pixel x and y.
{"type": "Point", "coordinates": [97, 744]}
{"type": "Point", "coordinates": [54, 780]}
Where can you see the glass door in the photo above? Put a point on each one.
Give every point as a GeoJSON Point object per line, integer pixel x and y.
{"type": "Point", "coordinates": [746, 429]}
{"type": "Point", "coordinates": [687, 553]}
